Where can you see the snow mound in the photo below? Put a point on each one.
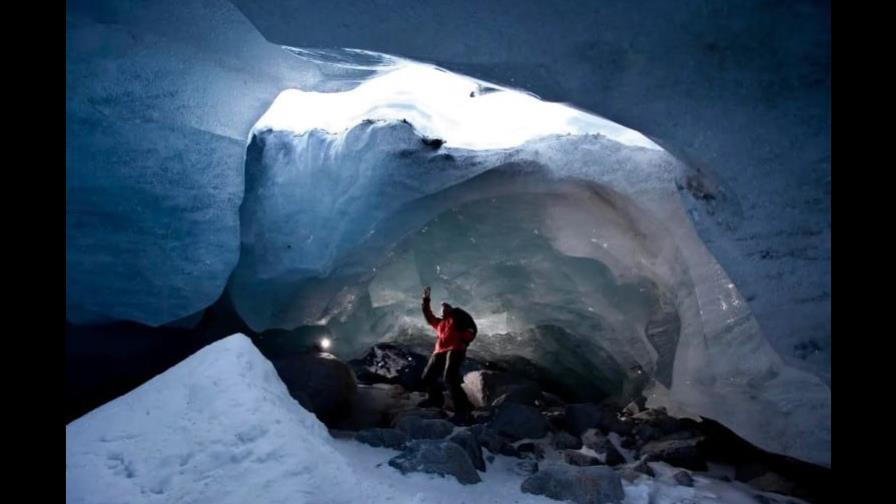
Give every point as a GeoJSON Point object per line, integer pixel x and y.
{"type": "Point", "coordinates": [219, 427]}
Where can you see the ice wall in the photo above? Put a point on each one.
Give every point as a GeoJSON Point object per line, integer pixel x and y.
{"type": "Point", "coordinates": [160, 97]}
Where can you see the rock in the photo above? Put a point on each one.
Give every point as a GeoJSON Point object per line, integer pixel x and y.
{"type": "Point", "coordinates": [492, 441]}
{"type": "Point", "coordinates": [581, 485]}
{"type": "Point", "coordinates": [578, 458]}
{"type": "Point", "coordinates": [466, 440]}
{"type": "Point", "coordinates": [510, 451]}
{"type": "Point", "coordinates": [388, 363]}
{"type": "Point", "coordinates": [436, 457]}
{"type": "Point", "coordinates": [418, 428]}
{"type": "Point", "coordinates": [421, 413]}
{"type": "Point", "coordinates": [529, 395]}
{"type": "Point", "coordinates": [628, 474]}
{"type": "Point", "coordinates": [659, 420]}
{"type": "Point", "coordinates": [621, 426]}
{"type": "Point", "coordinates": [550, 400]}
{"type": "Point", "coordinates": [482, 417]}
{"type": "Point", "coordinates": [342, 434]}
{"type": "Point", "coordinates": [388, 438]}
{"type": "Point", "coordinates": [320, 382]}
{"type": "Point", "coordinates": [525, 467]}
{"type": "Point", "coordinates": [527, 447]}
{"type": "Point", "coordinates": [631, 409]}
{"type": "Point", "coordinates": [748, 471]}
{"type": "Point", "coordinates": [433, 143]}
{"type": "Point", "coordinates": [643, 468]}
{"type": "Point", "coordinates": [483, 387]}
{"type": "Point", "coordinates": [612, 457]}
{"type": "Point", "coordinates": [678, 453]}
{"type": "Point", "coordinates": [556, 417]}
{"type": "Point", "coordinates": [374, 406]}
{"type": "Point", "coordinates": [535, 449]}
{"type": "Point", "coordinates": [773, 482]}
{"type": "Point", "coordinates": [517, 421]}
{"type": "Point", "coordinates": [490, 458]}
{"type": "Point", "coordinates": [581, 417]}
{"type": "Point", "coordinates": [646, 433]}
{"type": "Point", "coordinates": [683, 478]}
{"type": "Point", "coordinates": [566, 441]}
{"type": "Point", "coordinates": [593, 438]}
{"type": "Point", "coordinates": [476, 430]}
{"type": "Point", "coordinates": [681, 435]}
{"type": "Point", "coordinates": [634, 471]}
{"type": "Point", "coordinates": [627, 442]}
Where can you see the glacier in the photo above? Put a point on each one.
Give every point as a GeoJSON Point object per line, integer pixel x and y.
{"type": "Point", "coordinates": [739, 91]}
{"type": "Point", "coordinates": [157, 113]}
{"type": "Point", "coordinates": [325, 188]}
{"type": "Point", "coordinates": [575, 251]}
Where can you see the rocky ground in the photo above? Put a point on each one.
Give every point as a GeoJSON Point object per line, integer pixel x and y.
{"type": "Point", "coordinates": [579, 452]}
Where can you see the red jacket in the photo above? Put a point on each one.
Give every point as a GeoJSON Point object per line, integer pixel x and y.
{"type": "Point", "coordinates": [448, 337]}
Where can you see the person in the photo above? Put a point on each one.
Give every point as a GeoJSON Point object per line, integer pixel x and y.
{"type": "Point", "coordinates": [455, 331]}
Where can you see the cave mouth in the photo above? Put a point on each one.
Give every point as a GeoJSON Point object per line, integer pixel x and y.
{"type": "Point", "coordinates": [600, 282]}
{"type": "Point", "coordinates": [355, 200]}
{"type": "Point", "coordinates": [555, 278]}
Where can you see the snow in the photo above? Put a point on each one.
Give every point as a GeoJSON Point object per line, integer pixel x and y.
{"type": "Point", "coordinates": [220, 427]}
{"type": "Point", "coordinates": [440, 104]}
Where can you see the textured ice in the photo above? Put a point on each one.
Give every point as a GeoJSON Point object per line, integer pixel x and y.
{"type": "Point", "coordinates": [160, 97]}
{"type": "Point", "coordinates": [574, 251]}
{"type": "Point", "coordinates": [741, 91]}
{"type": "Point", "coordinates": [462, 111]}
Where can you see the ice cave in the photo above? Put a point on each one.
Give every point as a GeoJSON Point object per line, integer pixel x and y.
{"type": "Point", "coordinates": [258, 192]}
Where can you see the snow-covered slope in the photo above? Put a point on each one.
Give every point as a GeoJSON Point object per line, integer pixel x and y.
{"type": "Point", "coordinates": [220, 427]}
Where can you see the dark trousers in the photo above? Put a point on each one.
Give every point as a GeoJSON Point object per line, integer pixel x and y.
{"type": "Point", "coordinates": [448, 365]}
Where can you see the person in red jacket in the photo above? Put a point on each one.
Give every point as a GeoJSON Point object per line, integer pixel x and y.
{"type": "Point", "coordinates": [455, 330]}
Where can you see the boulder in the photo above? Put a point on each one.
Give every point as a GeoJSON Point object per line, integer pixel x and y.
{"type": "Point", "coordinates": [388, 438]}
{"type": "Point", "coordinates": [581, 485]}
{"type": "Point", "coordinates": [679, 453]}
{"type": "Point", "coordinates": [321, 383]}
{"type": "Point", "coordinates": [565, 441]}
{"type": "Point", "coordinates": [483, 387]}
{"type": "Point", "coordinates": [577, 458]}
{"type": "Point", "coordinates": [388, 363]}
{"type": "Point", "coordinates": [517, 421]}
{"type": "Point", "coordinates": [419, 428]}
{"type": "Point", "coordinates": [437, 457]}
{"type": "Point", "coordinates": [683, 478]}
{"type": "Point", "coordinates": [466, 440]}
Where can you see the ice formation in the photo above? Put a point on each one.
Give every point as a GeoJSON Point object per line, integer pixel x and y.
{"type": "Point", "coordinates": [566, 235]}
{"type": "Point", "coordinates": [572, 248]}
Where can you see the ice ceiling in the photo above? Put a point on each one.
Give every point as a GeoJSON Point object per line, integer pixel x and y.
{"type": "Point", "coordinates": [564, 234]}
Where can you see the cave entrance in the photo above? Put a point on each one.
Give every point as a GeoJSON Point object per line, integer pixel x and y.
{"type": "Point", "coordinates": [584, 320]}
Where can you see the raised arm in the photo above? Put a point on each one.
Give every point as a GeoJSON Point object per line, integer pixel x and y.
{"type": "Point", "coordinates": [427, 311]}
